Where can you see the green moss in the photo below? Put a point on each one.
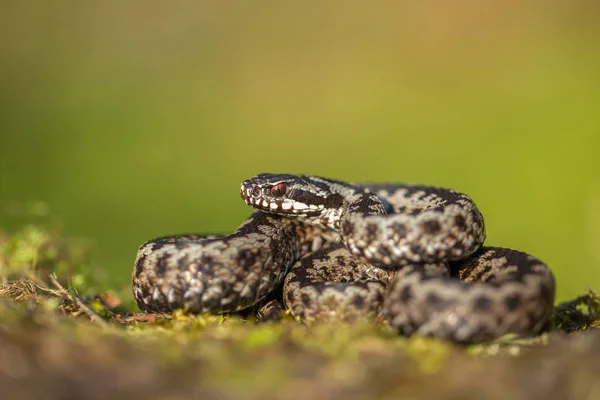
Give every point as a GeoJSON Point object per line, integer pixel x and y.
{"type": "Point", "coordinates": [578, 314]}
{"type": "Point", "coordinates": [48, 337]}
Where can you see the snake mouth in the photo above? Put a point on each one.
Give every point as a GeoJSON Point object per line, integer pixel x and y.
{"type": "Point", "coordinates": [263, 204]}
{"type": "Point", "coordinates": [259, 198]}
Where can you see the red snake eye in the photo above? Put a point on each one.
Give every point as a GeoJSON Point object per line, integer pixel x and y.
{"type": "Point", "coordinates": [278, 190]}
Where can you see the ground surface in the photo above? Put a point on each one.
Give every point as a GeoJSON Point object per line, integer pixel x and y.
{"type": "Point", "coordinates": [61, 338]}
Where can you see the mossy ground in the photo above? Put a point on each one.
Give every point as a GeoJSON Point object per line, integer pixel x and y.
{"type": "Point", "coordinates": [62, 338]}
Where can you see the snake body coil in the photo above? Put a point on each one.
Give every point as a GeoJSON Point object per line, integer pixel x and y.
{"type": "Point", "coordinates": [410, 254]}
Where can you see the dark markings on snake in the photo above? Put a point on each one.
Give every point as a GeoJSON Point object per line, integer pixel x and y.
{"type": "Point", "coordinates": [482, 304]}
{"type": "Point", "coordinates": [547, 293]}
{"type": "Point", "coordinates": [347, 228]}
{"type": "Point", "coordinates": [460, 222]}
{"type": "Point", "coordinates": [247, 258]}
{"type": "Point", "coordinates": [434, 300]}
{"type": "Point", "coordinates": [358, 301]}
{"type": "Point", "coordinates": [161, 265]}
{"type": "Point", "coordinates": [499, 319]}
{"type": "Point", "coordinates": [399, 229]}
{"type": "Point", "coordinates": [512, 302]}
{"type": "Point", "coordinates": [334, 201]}
{"type": "Point", "coordinates": [138, 267]}
{"type": "Point", "coordinates": [305, 299]}
{"type": "Point", "coordinates": [321, 240]}
{"type": "Point", "coordinates": [206, 260]}
{"type": "Point", "coordinates": [431, 227]}
{"type": "Point", "coordinates": [372, 232]}
{"type": "Point", "coordinates": [406, 294]}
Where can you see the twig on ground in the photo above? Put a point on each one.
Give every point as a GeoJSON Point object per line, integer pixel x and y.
{"type": "Point", "coordinates": [93, 316]}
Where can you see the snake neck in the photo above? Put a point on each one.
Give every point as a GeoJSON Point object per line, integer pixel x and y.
{"type": "Point", "coordinates": [356, 205]}
{"type": "Point", "coordinates": [343, 203]}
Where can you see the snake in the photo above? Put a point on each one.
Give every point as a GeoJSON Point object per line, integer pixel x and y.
{"type": "Point", "coordinates": [408, 256]}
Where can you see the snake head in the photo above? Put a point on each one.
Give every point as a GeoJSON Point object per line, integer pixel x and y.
{"type": "Point", "coordinates": [298, 195]}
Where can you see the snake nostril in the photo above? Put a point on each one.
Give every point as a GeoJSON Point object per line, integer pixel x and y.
{"type": "Point", "coordinates": [255, 191]}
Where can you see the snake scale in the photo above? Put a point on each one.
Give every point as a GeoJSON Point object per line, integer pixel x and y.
{"type": "Point", "coordinates": [411, 256]}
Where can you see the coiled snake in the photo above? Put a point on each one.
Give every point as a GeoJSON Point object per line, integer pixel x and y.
{"type": "Point", "coordinates": [410, 255]}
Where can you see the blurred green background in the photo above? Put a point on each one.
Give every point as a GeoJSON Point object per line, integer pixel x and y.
{"type": "Point", "coordinates": [130, 120]}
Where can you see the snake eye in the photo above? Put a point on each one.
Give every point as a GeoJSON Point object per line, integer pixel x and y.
{"type": "Point", "coordinates": [255, 192]}
{"type": "Point", "coordinates": [278, 190]}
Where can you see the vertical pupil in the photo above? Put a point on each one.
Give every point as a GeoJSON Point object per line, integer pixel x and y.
{"type": "Point", "coordinates": [278, 190]}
